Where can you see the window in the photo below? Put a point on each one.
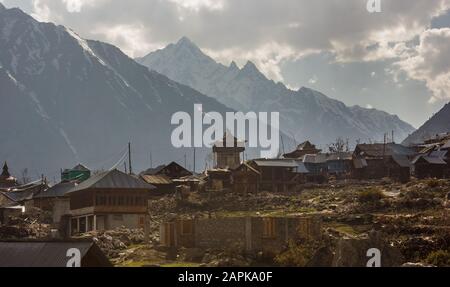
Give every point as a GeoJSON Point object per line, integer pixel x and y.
{"type": "Point", "coordinates": [269, 227]}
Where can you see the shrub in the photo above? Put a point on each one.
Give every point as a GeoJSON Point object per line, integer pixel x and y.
{"type": "Point", "coordinates": [433, 183]}
{"type": "Point", "coordinates": [297, 254]}
{"type": "Point", "coordinates": [439, 258]}
{"type": "Point", "coordinates": [370, 196]}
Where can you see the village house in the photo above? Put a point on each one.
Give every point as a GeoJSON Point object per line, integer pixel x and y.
{"type": "Point", "coordinates": [219, 180]}
{"type": "Point", "coordinates": [173, 170]}
{"type": "Point", "coordinates": [246, 179]}
{"type": "Point", "coordinates": [108, 200]}
{"type": "Point", "coordinates": [164, 178]}
{"type": "Point", "coordinates": [79, 173]}
{"type": "Point", "coordinates": [246, 234]}
{"type": "Point", "coordinates": [194, 183]}
{"type": "Point", "coordinates": [278, 175]}
{"type": "Point", "coordinates": [302, 150]}
{"type": "Point", "coordinates": [433, 160]}
{"type": "Point", "coordinates": [340, 164]}
{"type": "Point", "coordinates": [56, 200]}
{"type": "Point", "coordinates": [317, 166]}
{"type": "Point", "coordinates": [38, 253]}
{"type": "Point", "coordinates": [22, 195]}
{"type": "Point", "coordinates": [227, 152]}
{"type": "Point", "coordinates": [376, 161]}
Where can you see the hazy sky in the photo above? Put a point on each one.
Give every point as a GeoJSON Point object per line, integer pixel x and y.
{"type": "Point", "coordinates": [397, 60]}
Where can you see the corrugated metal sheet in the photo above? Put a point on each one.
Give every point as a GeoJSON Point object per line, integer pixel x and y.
{"type": "Point", "coordinates": [434, 160]}
{"type": "Point", "coordinates": [315, 158]}
{"type": "Point", "coordinates": [58, 190]}
{"type": "Point", "coordinates": [401, 160]}
{"type": "Point", "coordinates": [113, 179]}
{"type": "Point", "coordinates": [287, 163]}
{"type": "Point", "coordinates": [446, 145]}
{"type": "Point", "coordinates": [430, 160]}
{"type": "Point", "coordinates": [378, 150]}
{"type": "Point", "coordinates": [39, 254]}
{"type": "Point", "coordinates": [157, 179]}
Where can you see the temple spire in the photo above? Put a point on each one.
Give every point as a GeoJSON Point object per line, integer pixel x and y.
{"type": "Point", "coordinates": [5, 172]}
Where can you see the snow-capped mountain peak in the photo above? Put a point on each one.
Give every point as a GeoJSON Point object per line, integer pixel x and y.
{"type": "Point", "coordinates": [63, 97]}
{"type": "Point", "coordinates": [305, 114]}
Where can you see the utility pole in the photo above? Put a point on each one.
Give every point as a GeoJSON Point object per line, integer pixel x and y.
{"type": "Point", "coordinates": [393, 141]}
{"type": "Point", "coordinates": [129, 158]}
{"type": "Point", "coordinates": [151, 160]}
{"type": "Point", "coordinates": [125, 167]}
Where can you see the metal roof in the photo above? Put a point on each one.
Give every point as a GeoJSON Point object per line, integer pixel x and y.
{"type": "Point", "coordinates": [401, 160]}
{"type": "Point", "coordinates": [430, 160]}
{"type": "Point", "coordinates": [287, 163]}
{"type": "Point", "coordinates": [339, 156]}
{"type": "Point", "coordinates": [24, 194]}
{"type": "Point", "coordinates": [446, 145]}
{"type": "Point", "coordinates": [58, 190]}
{"type": "Point", "coordinates": [379, 149]}
{"type": "Point", "coordinates": [157, 179]}
{"type": "Point", "coordinates": [113, 179]}
{"type": "Point", "coordinates": [45, 254]}
{"type": "Point", "coordinates": [315, 158]}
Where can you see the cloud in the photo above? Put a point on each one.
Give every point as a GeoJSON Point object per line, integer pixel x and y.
{"type": "Point", "coordinates": [265, 31]}
{"type": "Point", "coordinates": [430, 62]}
{"type": "Point", "coordinates": [196, 5]}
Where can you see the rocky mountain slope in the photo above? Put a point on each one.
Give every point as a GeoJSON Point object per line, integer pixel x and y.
{"type": "Point", "coordinates": [305, 114]}
{"type": "Point", "coordinates": [65, 100]}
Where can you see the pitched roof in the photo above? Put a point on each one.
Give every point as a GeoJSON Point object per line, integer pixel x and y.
{"type": "Point", "coordinates": [25, 193]}
{"type": "Point", "coordinates": [446, 145]}
{"type": "Point", "coordinates": [430, 160]}
{"type": "Point", "coordinates": [401, 160]}
{"type": "Point", "coordinates": [339, 156]}
{"type": "Point", "coordinates": [315, 158]}
{"type": "Point", "coordinates": [287, 163]}
{"type": "Point", "coordinates": [58, 190]}
{"type": "Point", "coordinates": [80, 167]}
{"type": "Point", "coordinates": [48, 254]}
{"type": "Point", "coordinates": [249, 167]}
{"type": "Point", "coordinates": [378, 150]}
{"type": "Point", "coordinates": [113, 179]}
{"type": "Point", "coordinates": [157, 179]}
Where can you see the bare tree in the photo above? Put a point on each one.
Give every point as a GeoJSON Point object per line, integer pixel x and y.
{"type": "Point", "coordinates": [340, 145]}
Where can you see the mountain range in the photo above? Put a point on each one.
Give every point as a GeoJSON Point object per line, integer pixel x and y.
{"type": "Point", "coordinates": [439, 123]}
{"type": "Point", "coordinates": [305, 114]}
{"type": "Point", "coordinates": [65, 100]}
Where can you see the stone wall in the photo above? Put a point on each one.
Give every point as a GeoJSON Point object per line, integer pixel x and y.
{"type": "Point", "coordinates": [246, 233]}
